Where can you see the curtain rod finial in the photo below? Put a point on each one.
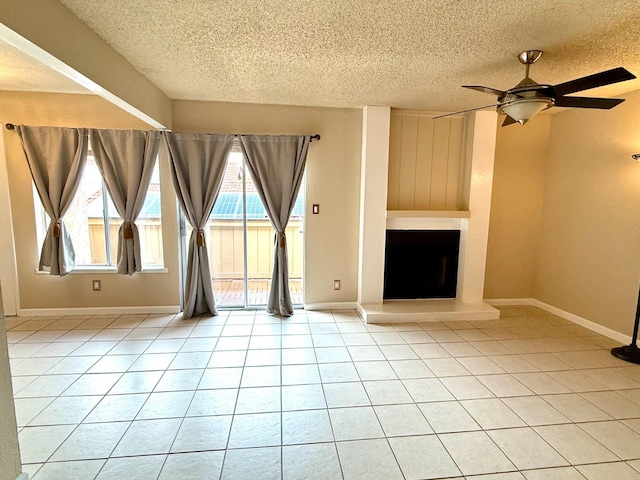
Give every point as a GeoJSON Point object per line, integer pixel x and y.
{"type": "Point", "coordinates": [10, 126]}
{"type": "Point", "coordinates": [315, 137]}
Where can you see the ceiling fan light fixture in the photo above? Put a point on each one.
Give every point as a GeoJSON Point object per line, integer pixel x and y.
{"type": "Point", "coordinates": [528, 98]}
{"type": "Point", "coordinates": [523, 110]}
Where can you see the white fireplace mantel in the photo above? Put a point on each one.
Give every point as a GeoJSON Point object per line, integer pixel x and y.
{"type": "Point", "coordinates": [426, 219]}
{"type": "Point", "coordinates": [472, 223]}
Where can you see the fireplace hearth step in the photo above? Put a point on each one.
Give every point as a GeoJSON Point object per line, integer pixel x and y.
{"type": "Point", "coordinates": [430, 310]}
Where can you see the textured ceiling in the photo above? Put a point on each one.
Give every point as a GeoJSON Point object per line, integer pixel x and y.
{"type": "Point", "coordinates": [350, 53]}
{"type": "Point", "coordinates": [20, 72]}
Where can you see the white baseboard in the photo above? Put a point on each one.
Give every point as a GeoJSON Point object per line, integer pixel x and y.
{"type": "Point", "coordinates": [596, 327]}
{"type": "Point", "coordinates": [45, 312]}
{"type": "Point", "coordinates": [501, 302]}
{"type": "Point", "coordinates": [331, 306]}
{"type": "Point", "coordinates": [583, 322]}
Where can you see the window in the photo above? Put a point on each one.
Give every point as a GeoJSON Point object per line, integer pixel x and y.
{"type": "Point", "coordinates": [92, 210]}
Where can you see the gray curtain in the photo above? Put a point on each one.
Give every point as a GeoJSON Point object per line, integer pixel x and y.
{"type": "Point", "coordinates": [126, 159]}
{"type": "Point", "coordinates": [56, 158]}
{"type": "Point", "coordinates": [197, 167]}
{"type": "Point", "coordinates": [276, 165]}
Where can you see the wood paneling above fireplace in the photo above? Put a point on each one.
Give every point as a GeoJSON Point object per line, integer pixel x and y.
{"type": "Point", "coordinates": [426, 162]}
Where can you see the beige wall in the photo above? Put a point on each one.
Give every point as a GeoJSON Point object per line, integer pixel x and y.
{"type": "Point", "coordinates": [516, 208]}
{"type": "Point", "coordinates": [44, 291]}
{"type": "Point", "coordinates": [589, 260]}
{"type": "Point", "coordinates": [9, 450]}
{"type": "Point", "coordinates": [333, 176]}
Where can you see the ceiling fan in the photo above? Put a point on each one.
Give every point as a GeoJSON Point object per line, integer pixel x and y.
{"type": "Point", "coordinates": [528, 97]}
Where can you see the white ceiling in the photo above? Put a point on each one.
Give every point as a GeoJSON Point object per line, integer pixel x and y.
{"type": "Point", "coordinates": [351, 53]}
{"type": "Point", "coordinates": [19, 71]}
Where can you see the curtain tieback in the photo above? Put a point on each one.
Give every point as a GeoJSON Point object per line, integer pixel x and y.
{"type": "Point", "coordinates": [128, 230]}
{"type": "Point", "coordinates": [57, 229]}
{"type": "Point", "coordinates": [282, 239]}
{"type": "Point", "coordinates": [200, 237]}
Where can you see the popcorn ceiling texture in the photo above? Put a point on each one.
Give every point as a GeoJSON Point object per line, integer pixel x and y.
{"type": "Point", "coordinates": [350, 53]}
{"type": "Point", "coordinates": [20, 72]}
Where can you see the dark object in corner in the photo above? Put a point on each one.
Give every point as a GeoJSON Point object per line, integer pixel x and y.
{"type": "Point", "coordinates": [630, 353]}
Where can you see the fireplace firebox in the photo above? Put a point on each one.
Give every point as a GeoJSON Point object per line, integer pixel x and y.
{"type": "Point", "coordinates": [421, 264]}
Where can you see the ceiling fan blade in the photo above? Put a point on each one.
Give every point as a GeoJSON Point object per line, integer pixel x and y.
{"type": "Point", "coordinates": [508, 121]}
{"type": "Point", "coordinates": [465, 111]}
{"type": "Point", "coordinates": [587, 102]}
{"type": "Point", "coordinates": [607, 77]}
{"type": "Point", "coordinates": [482, 89]}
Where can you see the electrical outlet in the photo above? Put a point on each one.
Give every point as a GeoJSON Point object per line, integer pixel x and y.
{"type": "Point", "coordinates": [97, 285]}
{"type": "Point", "coordinates": [336, 284]}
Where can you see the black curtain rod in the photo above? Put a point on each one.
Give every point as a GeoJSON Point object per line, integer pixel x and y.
{"type": "Point", "coordinates": [11, 126]}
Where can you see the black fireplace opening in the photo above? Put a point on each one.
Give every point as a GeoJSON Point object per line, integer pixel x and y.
{"type": "Point", "coordinates": [421, 264]}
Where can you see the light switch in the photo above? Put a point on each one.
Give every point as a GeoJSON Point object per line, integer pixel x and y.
{"type": "Point", "coordinates": [315, 208]}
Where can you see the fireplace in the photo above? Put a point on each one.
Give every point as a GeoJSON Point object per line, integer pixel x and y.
{"type": "Point", "coordinates": [469, 215]}
{"type": "Point", "coordinates": [421, 264]}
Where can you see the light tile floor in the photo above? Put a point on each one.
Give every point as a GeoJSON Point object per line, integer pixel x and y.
{"type": "Point", "coordinates": [321, 395]}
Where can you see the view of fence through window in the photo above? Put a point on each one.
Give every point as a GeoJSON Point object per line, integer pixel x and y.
{"type": "Point", "coordinates": [92, 208]}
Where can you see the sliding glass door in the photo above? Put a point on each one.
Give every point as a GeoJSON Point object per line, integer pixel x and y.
{"type": "Point", "coordinates": [241, 240]}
